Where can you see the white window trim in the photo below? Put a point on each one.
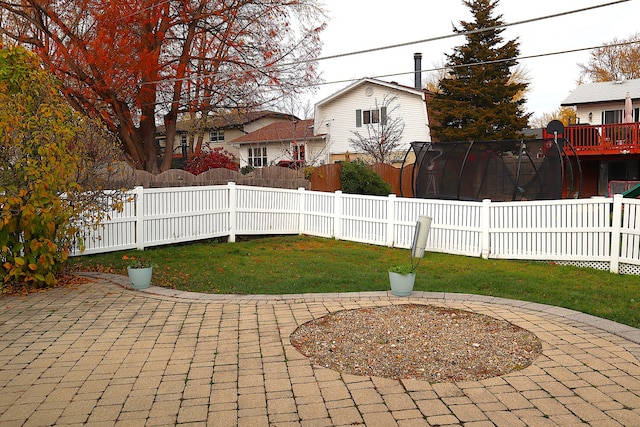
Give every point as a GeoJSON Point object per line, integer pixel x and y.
{"type": "Point", "coordinates": [261, 154]}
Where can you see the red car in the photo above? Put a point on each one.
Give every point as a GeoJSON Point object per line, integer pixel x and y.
{"type": "Point", "coordinates": [291, 164]}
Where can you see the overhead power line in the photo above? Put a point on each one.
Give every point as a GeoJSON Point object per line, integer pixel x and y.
{"type": "Point", "coordinates": [431, 39]}
{"type": "Point", "coordinates": [439, 38]}
{"type": "Point", "coordinates": [137, 12]}
{"type": "Point", "coordinates": [464, 33]}
{"type": "Point", "coordinates": [473, 64]}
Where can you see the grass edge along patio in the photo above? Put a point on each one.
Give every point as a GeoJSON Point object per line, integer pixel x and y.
{"type": "Point", "coordinates": [598, 232]}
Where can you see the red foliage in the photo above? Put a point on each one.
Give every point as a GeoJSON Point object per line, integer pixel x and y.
{"type": "Point", "coordinates": [205, 160]}
{"type": "Point", "coordinates": [135, 64]}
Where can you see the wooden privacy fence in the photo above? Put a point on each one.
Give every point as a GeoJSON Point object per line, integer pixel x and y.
{"type": "Point", "coordinates": [323, 178]}
{"type": "Point", "coordinates": [602, 233]}
{"type": "Point", "coordinates": [327, 178]}
{"type": "Point", "coordinates": [272, 176]}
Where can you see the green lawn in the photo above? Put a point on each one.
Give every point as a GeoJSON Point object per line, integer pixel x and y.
{"type": "Point", "coordinates": [299, 264]}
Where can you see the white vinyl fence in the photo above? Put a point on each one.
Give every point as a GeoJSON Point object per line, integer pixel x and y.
{"type": "Point", "coordinates": [602, 233]}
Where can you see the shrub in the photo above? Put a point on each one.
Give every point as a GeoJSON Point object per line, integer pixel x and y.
{"type": "Point", "coordinates": [246, 170]}
{"type": "Point", "coordinates": [357, 178]}
{"type": "Point", "coordinates": [45, 148]}
{"type": "Point", "coordinates": [308, 171]}
{"type": "Point", "coordinates": [205, 160]}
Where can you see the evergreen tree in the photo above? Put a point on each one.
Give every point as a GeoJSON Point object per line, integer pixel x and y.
{"type": "Point", "coordinates": [477, 100]}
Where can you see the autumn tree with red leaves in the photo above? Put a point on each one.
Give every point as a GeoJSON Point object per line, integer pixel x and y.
{"type": "Point", "coordinates": [137, 64]}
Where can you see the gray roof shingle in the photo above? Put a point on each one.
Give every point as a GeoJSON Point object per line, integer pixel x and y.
{"type": "Point", "coordinates": [603, 92]}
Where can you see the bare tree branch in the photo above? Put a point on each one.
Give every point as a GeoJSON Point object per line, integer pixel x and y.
{"type": "Point", "coordinates": [383, 136]}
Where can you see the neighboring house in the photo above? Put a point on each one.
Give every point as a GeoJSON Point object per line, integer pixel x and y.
{"type": "Point", "coordinates": [359, 105]}
{"type": "Point", "coordinates": [218, 131]}
{"type": "Point", "coordinates": [605, 138]}
{"type": "Point", "coordinates": [285, 143]}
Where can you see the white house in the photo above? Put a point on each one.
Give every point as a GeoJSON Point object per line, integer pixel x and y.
{"type": "Point", "coordinates": [361, 104]}
{"type": "Point", "coordinates": [219, 131]}
{"type": "Point", "coordinates": [325, 139]}
{"type": "Point", "coordinates": [603, 103]}
{"type": "Point", "coordinates": [606, 138]}
{"type": "Point", "coordinates": [284, 143]}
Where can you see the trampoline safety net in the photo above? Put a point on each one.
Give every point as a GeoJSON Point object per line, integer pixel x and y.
{"type": "Point", "coordinates": [532, 169]}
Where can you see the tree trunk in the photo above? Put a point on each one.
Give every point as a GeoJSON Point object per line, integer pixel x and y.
{"type": "Point", "coordinates": [198, 147]}
{"type": "Point", "coordinates": [170, 130]}
{"type": "Point", "coordinates": [148, 140]}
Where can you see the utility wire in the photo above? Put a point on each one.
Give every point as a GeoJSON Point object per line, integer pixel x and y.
{"type": "Point", "coordinates": [394, 46]}
{"type": "Point", "coordinates": [463, 33]}
{"type": "Point", "coordinates": [434, 39]}
{"type": "Point", "coordinates": [137, 12]}
{"type": "Point", "coordinates": [472, 64]}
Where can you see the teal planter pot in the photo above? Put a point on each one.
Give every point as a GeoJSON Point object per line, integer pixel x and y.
{"type": "Point", "coordinates": [140, 277]}
{"type": "Point", "coordinates": [401, 284]}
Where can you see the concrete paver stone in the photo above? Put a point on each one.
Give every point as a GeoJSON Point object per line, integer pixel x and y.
{"type": "Point", "coordinates": [104, 354]}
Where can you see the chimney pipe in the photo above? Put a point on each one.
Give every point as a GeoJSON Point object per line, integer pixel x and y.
{"type": "Point", "coordinates": [417, 61]}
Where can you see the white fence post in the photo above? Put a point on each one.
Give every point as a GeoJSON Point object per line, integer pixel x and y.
{"type": "Point", "coordinates": [337, 215]}
{"type": "Point", "coordinates": [301, 209]}
{"type": "Point", "coordinates": [616, 225]}
{"type": "Point", "coordinates": [139, 192]}
{"type": "Point", "coordinates": [391, 219]}
{"type": "Point", "coordinates": [232, 211]}
{"type": "Point", "coordinates": [485, 223]}
{"type": "Point", "coordinates": [570, 231]}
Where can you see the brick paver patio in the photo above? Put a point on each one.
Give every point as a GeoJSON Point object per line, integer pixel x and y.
{"type": "Point", "coordinates": [101, 354]}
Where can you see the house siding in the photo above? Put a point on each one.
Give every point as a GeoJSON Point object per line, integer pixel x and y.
{"type": "Point", "coordinates": [596, 109]}
{"type": "Point", "coordinates": [601, 168]}
{"type": "Point", "coordinates": [230, 135]}
{"type": "Point", "coordinates": [277, 151]}
{"type": "Point", "coordinates": [278, 138]}
{"type": "Point", "coordinates": [257, 124]}
{"type": "Point", "coordinates": [337, 117]}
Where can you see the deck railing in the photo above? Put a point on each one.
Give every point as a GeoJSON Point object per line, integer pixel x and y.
{"type": "Point", "coordinates": [589, 232]}
{"type": "Point", "coordinates": [618, 138]}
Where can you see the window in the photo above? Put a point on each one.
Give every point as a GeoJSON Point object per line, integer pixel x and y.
{"type": "Point", "coordinates": [258, 156]}
{"type": "Point", "coordinates": [368, 117]}
{"type": "Point", "coordinates": [297, 152]}
{"type": "Point", "coordinates": [216, 136]}
{"type": "Point", "coordinates": [612, 116]}
{"type": "Point", "coordinates": [183, 145]}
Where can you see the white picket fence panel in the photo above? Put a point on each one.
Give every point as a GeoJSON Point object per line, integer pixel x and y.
{"type": "Point", "coordinates": [561, 230]}
{"type": "Point", "coordinates": [598, 232]}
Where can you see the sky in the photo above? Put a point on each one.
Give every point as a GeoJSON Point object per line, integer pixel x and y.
{"type": "Point", "coordinates": [355, 25]}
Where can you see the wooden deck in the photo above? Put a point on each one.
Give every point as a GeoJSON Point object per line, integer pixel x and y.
{"type": "Point", "coordinates": [610, 139]}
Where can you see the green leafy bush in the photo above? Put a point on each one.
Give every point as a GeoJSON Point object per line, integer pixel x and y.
{"type": "Point", "coordinates": [357, 178]}
{"type": "Point", "coordinates": [246, 170]}
{"type": "Point", "coordinates": [43, 156]}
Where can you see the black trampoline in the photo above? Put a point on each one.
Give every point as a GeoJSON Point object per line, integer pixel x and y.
{"type": "Point", "coordinates": [531, 169]}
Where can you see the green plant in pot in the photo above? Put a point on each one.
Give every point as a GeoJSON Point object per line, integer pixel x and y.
{"type": "Point", "coordinates": [402, 277]}
{"type": "Point", "coordinates": [403, 269]}
{"type": "Point", "coordinates": [140, 271]}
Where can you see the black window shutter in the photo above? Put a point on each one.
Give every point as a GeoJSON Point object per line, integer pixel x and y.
{"type": "Point", "coordinates": [383, 115]}
{"type": "Point", "coordinates": [358, 118]}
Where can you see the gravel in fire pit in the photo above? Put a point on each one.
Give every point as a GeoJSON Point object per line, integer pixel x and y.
{"type": "Point", "coordinates": [415, 341]}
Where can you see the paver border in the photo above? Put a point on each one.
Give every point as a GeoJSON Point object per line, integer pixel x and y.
{"type": "Point", "coordinates": [623, 331]}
